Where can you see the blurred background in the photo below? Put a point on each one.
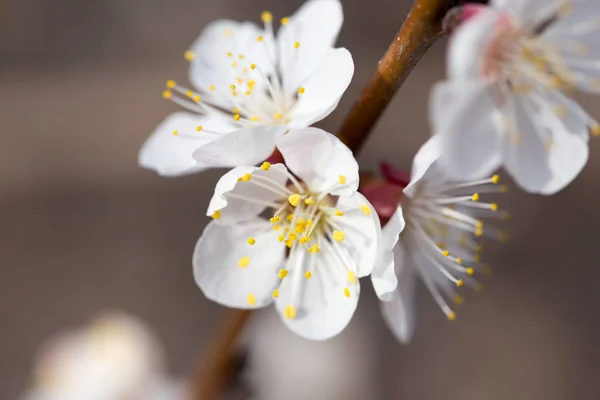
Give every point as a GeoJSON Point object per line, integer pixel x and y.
{"type": "Point", "coordinates": [83, 229]}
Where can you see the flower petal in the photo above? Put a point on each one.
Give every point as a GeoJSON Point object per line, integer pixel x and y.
{"type": "Point", "coordinates": [319, 159]}
{"type": "Point", "coordinates": [321, 305]}
{"type": "Point", "coordinates": [362, 229]}
{"type": "Point", "coordinates": [315, 27]}
{"type": "Point", "coordinates": [323, 89]}
{"type": "Point", "coordinates": [212, 63]}
{"type": "Point", "coordinates": [241, 147]}
{"type": "Point", "coordinates": [462, 113]}
{"type": "Point", "coordinates": [234, 273]}
{"type": "Point", "coordinates": [383, 276]}
{"type": "Point", "coordinates": [398, 312]}
{"type": "Point", "coordinates": [427, 155]}
{"type": "Point", "coordinates": [169, 149]}
{"type": "Point", "coordinates": [469, 44]}
{"type": "Point", "coordinates": [255, 196]}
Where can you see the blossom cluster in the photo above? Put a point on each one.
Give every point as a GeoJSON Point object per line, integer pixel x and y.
{"type": "Point", "coordinates": [290, 227]}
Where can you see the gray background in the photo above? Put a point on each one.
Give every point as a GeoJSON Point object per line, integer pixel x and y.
{"type": "Point", "coordinates": [83, 229]}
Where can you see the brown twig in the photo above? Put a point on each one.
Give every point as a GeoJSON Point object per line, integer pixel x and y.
{"type": "Point", "coordinates": [216, 365]}
{"type": "Point", "coordinates": [422, 27]}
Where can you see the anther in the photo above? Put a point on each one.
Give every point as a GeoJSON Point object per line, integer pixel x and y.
{"type": "Point", "coordinates": [301, 90]}
{"type": "Point", "coordinates": [308, 275]}
{"type": "Point", "coordinates": [244, 262]}
{"type": "Point", "coordinates": [236, 117]}
{"type": "Point", "coordinates": [280, 238]}
{"type": "Point", "coordinates": [347, 292]}
{"type": "Point", "coordinates": [494, 207]}
{"type": "Point", "coordinates": [216, 214]}
{"type": "Point", "coordinates": [352, 277]}
{"type": "Point", "coordinates": [277, 116]}
{"type": "Point", "coordinates": [451, 316]}
{"type": "Point", "coordinates": [189, 55]}
{"type": "Point", "coordinates": [212, 88]}
{"type": "Point", "coordinates": [339, 236]}
{"type": "Point", "coordinates": [247, 177]}
{"type": "Point", "coordinates": [342, 180]}
{"type": "Point", "coordinates": [365, 209]}
{"type": "Point", "coordinates": [445, 253]}
{"type": "Point", "coordinates": [297, 45]}
{"type": "Point", "coordinates": [459, 260]}
{"type": "Point", "coordinates": [309, 201]}
{"type": "Point", "coordinates": [275, 219]}
{"type": "Point", "coordinates": [265, 166]}
{"type": "Point", "coordinates": [259, 39]}
{"type": "Point", "coordinates": [290, 312]}
{"type": "Point", "coordinates": [251, 241]}
{"type": "Point", "coordinates": [458, 299]}
{"type": "Point", "coordinates": [285, 20]}
{"type": "Point", "coordinates": [294, 199]}
{"type": "Point", "coordinates": [595, 128]}
{"type": "Point", "coordinates": [251, 299]}
{"type": "Point", "coordinates": [175, 133]}
{"type": "Point", "coordinates": [171, 84]}
{"type": "Point", "coordinates": [197, 99]}
{"type": "Point", "coordinates": [266, 17]}
{"type": "Point", "coordinates": [199, 128]}
{"type": "Point", "coordinates": [475, 197]}
{"type": "Point", "coordinates": [228, 32]}
{"type": "Point", "coordinates": [229, 54]}
{"type": "Point", "coordinates": [459, 282]}
{"type": "Point", "coordinates": [495, 179]}
{"type": "Point", "coordinates": [282, 273]}
{"type": "Point", "coordinates": [189, 94]}
{"type": "Point", "coordinates": [275, 293]}
{"type": "Point", "coordinates": [167, 94]}
{"type": "Point", "coordinates": [339, 213]}
{"type": "Point", "coordinates": [252, 66]}
{"type": "Point", "coordinates": [470, 271]}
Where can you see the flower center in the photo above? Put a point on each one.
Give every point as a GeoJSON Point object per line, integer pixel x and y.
{"type": "Point", "coordinates": [251, 92]}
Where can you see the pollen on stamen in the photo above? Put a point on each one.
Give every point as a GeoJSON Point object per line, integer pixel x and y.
{"type": "Point", "coordinates": [308, 275]}
{"type": "Point", "coordinates": [494, 207]}
{"type": "Point", "coordinates": [301, 90]}
{"type": "Point", "coordinates": [470, 271]}
{"type": "Point", "coordinates": [314, 248]}
{"type": "Point", "coordinates": [342, 180]}
{"type": "Point", "coordinates": [229, 54]}
{"type": "Point", "coordinates": [294, 199]}
{"type": "Point", "coordinates": [445, 253]}
{"type": "Point", "coordinates": [212, 88]}
{"type": "Point", "coordinates": [228, 32]}
{"type": "Point", "coordinates": [285, 20]}
{"type": "Point", "coordinates": [277, 115]}
{"type": "Point", "coordinates": [175, 133]}
{"type": "Point", "coordinates": [282, 273]}
{"type": "Point", "coordinates": [595, 128]}
{"type": "Point", "coordinates": [475, 197]}
{"type": "Point", "coordinates": [244, 262]}
{"type": "Point", "coordinates": [251, 299]}
{"type": "Point", "coordinates": [252, 66]}
{"type": "Point", "coordinates": [171, 84]}
{"type": "Point", "coordinates": [459, 260]}
{"type": "Point", "coordinates": [189, 94]}
{"type": "Point", "coordinates": [309, 201]}
{"type": "Point", "coordinates": [167, 94]}
{"type": "Point", "coordinates": [197, 99]}
{"type": "Point", "coordinates": [236, 117]}
{"type": "Point", "coordinates": [459, 282]}
{"type": "Point", "coordinates": [216, 214]}
{"type": "Point", "coordinates": [251, 241]}
{"type": "Point", "coordinates": [275, 219]}
{"type": "Point", "coordinates": [339, 213]}
{"type": "Point", "coordinates": [339, 236]}
{"type": "Point", "coordinates": [275, 293]}
{"type": "Point", "coordinates": [352, 277]}
{"type": "Point", "coordinates": [266, 17]}
{"type": "Point", "coordinates": [247, 177]}
{"type": "Point", "coordinates": [451, 316]}
{"type": "Point", "coordinates": [495, 179]}
{"type": "Point", "coordinates": [458, 299]}
{"type": "Point", "coordinates": [365, 209]}
{"type": "Point", "coordinates": [297, 45]}
{"type": "Point", "coordinates": [259, 39]}
{"type": "Point", "coordinates": [265, 166]}
{"type": "Point", "coordinates": [189, 55]}
{"type": "Point", "coordinates": [280, 238]}
{"type": "Point", "coordinates": [290, 312]}
{"type": "Point", "coordinates": [347, 292]}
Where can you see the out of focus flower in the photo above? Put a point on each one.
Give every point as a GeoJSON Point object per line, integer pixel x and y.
{"type": "Point", "coordinates": [114, 358]}
{"type": "Point", "coordinates": [319, 237]}
{"type": "Point", "coordinates": [435, 233]}
{"type": "Point", "coordinates": [250, 87]}
{"type": "Point", "coordinates": [509, 66]}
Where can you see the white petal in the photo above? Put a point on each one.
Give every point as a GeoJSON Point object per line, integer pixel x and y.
{"type": "Point", "coordinates": [212, 65]}
{"type": "Point", "coordinates": [398, 312]}
{"type": "Point", "coordinates": [362, 231]}
{"type": "Point", "coordinates": [241, 147]}
{"type": "Point", "coordinates": [469, 44]}
{"type": "Point", "coordinates": [323, 89]}
{"type": "Point", "coordinates": [427, 155]}
{"type": "Point", "coordinates": [235, 209]}
{"type": "Point", "coordinates": [567, 140]}
{"type": "Point", "coordinates": [322, 309]}
{"type": "Point", "coordinates": [383, 276]}
{"type": "Point", "coordinates": [319, 159]}
{"type": "Point", "coordinates": [170, 154]}
{"type": "Point", "coordinates": [315, 26]}
{"type": "Point", "coordinates": [462, 113]}
{"type": "Point", "coordinates": [217, 270]}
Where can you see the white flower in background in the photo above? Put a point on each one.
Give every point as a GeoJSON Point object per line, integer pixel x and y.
{"type": "Point", "coordinates": [114, 358]}
{"type": "Point", "coordinates": [318, 237]}
{"type": "Point", "coordinates": [250, 87]}
{"type": "Point", "coordinates": [509, 67]}
{"type": "Point", "coordinates": [439, 222]}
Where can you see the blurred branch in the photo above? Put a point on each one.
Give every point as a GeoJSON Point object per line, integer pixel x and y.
{"type": "Point", "coordinates": [422, 27]}
{"type": "Point", "coordinates": [217, 363]}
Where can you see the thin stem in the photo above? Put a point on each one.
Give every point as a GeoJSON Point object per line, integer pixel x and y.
{"type": "Point", "coordinates": [422, 27]}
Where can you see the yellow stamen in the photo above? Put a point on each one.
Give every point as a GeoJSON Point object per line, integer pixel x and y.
{"type": "Point", "coordinates": [459, 282]}
{"type": "Point", "coordinates": [252, 66]}
{"type": "Point", "coordinates": [167, 94]}
{"type": "Point", "coordinates": [595, 128]}
{"type": "Point", "coordinates": [459, 260]}
{"type": "Point", "coordinates": [265, 166]}
{"type": "Point", "coordinates": [275, 219]}
{"type": "Point", "coordinates": [266, 17]}
{"type": "Point", "coordinates": [228, 32]}
{"type": "Point", "coordinates": [309, 201]}
{"type": "Point", "coordinates": [251, 299]}
{"type": "Point", "coordinates": [216, 214]}
{"type": "Point", "coordinates": [365, 209]}
{"type": "Point", "coordinates": [197, 99]}
{"type": "Point", "coordinates": [314, 248]}
{"type": "Point", "coordinates": [342, 180]}
{"type": "Point", "coordinates": [212, 88]}
{"type": "Point", "coordinates": [282, 273]}
{"type": "Point", "coordinates": [171, 84]}
{"type": "Point", "coordinates": [347, 292]}
{"type": "Point", "coordinates": [285, 20]}
{"type": "Point", "coordinates": [290, 312]}
{"type": "Point", "coordinates": [494, 207]}
{"type": "Point", "coordinates": [175, 133]}
{"type": "Point", "coordinates": [495, 179]}
{"type": "Point", "coordinates": [294, 199]}
{"type": "Point", "coordinates": [445, 253]}
{"type": "Point", "coordinates": [275, 293]}
{"type": "Point", "coordinates": [189, 55]}
{"type": "Point", "coordinates": [251, 241]}
{"type": "Point", "coordinates": [259, 39]}
{"type": "Point", "coordinates": [247, 177]}
{"type": "Point", "coordinates": [244, 262]}
{"type": "Point", "coordinates": [352, 277]}
{"type": "Point", "coordinates": [280, 238]}
{"type": "Point", "coordinates": [236, 117]}
{"type": "Point", "coordinates": [339, 213]}
{"type": "Point", "coordinates": [301, 90]}
{"type": "Point", "coordinates": [297, 45]}
{"type": "Point", "coordinates": [475, 197]}
{"type": "Point", "coordinates": [308, 275]}
{"type": "Point", "coordinates": [277, 116]}
{"type": "Point", "coordinates": [451, 316]}
{"type": "Point", "coordinates": [470, 271]}
{"type": "Point", "coordinates": [339, 236]}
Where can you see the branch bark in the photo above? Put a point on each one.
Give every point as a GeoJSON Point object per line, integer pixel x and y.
{"type": "Point", "coordinates": [422, 27]}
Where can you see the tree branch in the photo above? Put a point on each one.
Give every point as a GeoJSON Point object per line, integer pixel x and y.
{"type": "Point", "coordinates": [422, 27]}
